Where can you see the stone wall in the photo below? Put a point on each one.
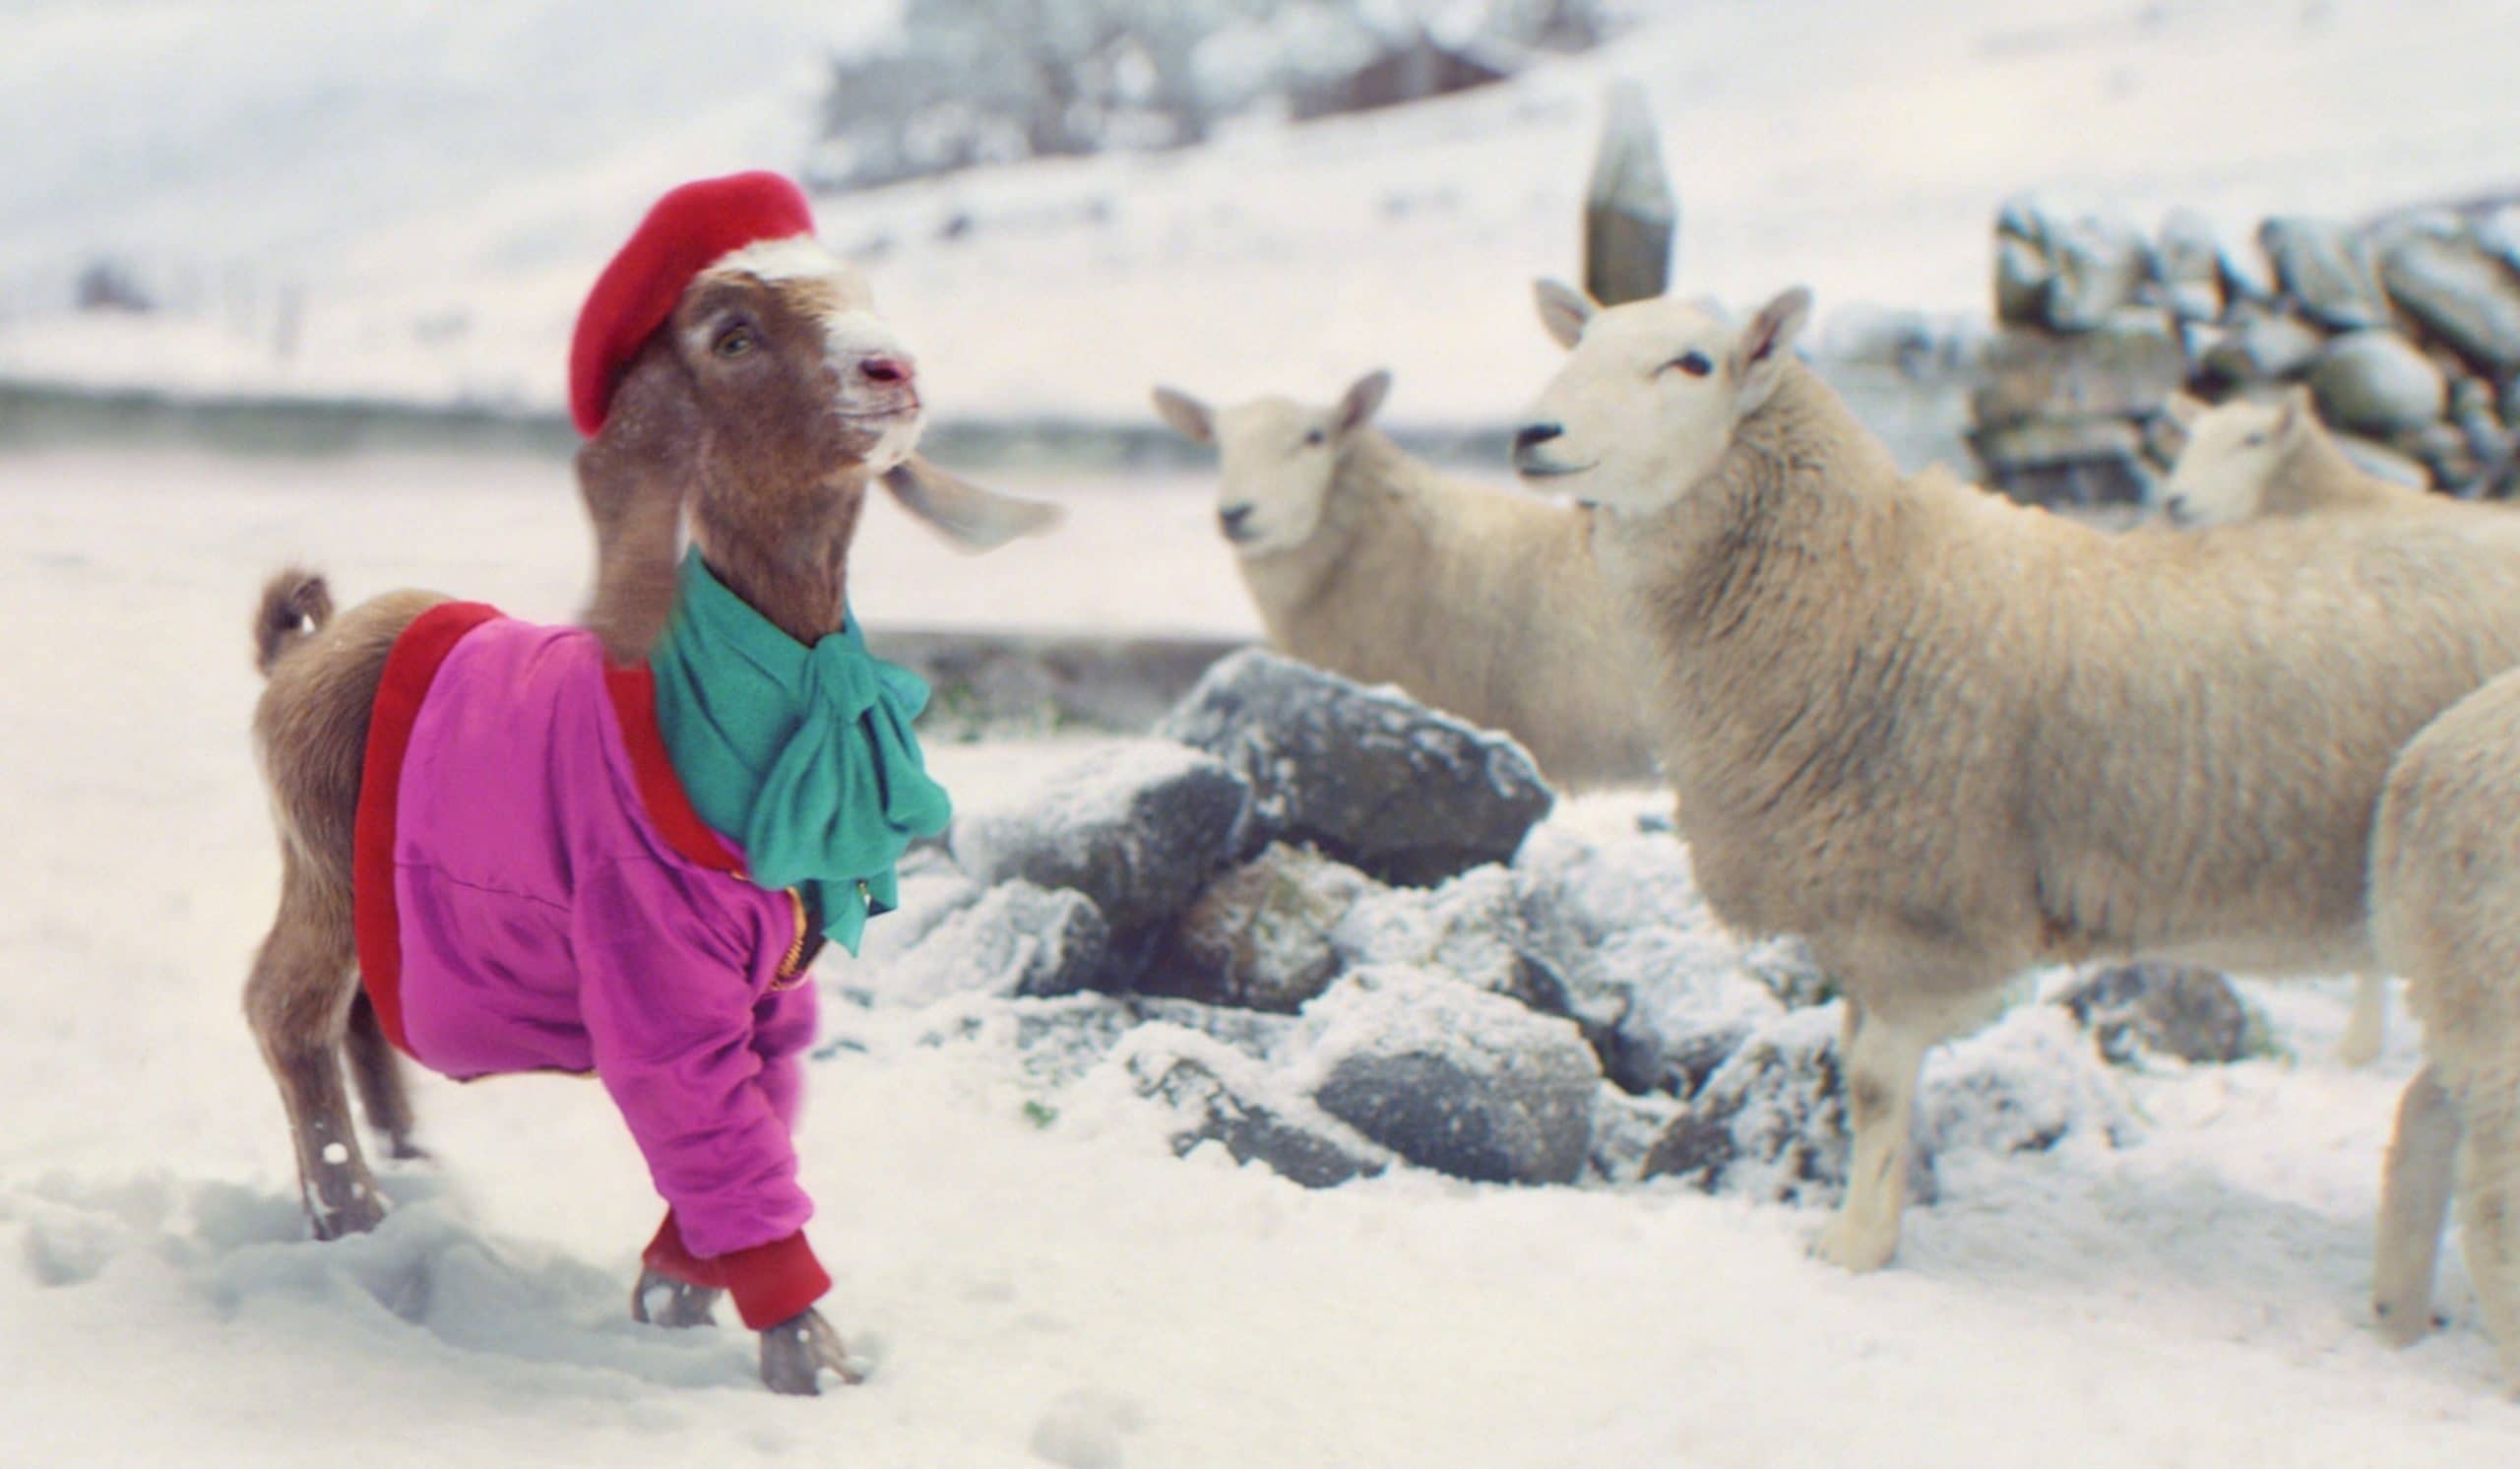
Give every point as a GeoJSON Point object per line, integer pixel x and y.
{"type": "Point", "coordinates": [2405, 331]}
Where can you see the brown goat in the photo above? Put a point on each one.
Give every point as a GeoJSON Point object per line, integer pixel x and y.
{"type": "Point", "coordinates": [756, 414]}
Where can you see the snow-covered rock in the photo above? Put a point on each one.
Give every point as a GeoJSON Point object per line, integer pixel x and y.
{"type": "Point", "coordinates": [1772, 1125]}
{"type": "Point", "coordinates": [2168, 1009]}
{"type": "Point", "coordinates": [1452, 1077]}
{"type": "Point", "coordinates": [1260, 935]}
{"type": "Point", "coordinates": [1371, 778]}
{"type": "Point", "coordinates": [1017, 938]}
{"type": "Point", "coordinates": [1687, 1004]}
{"type": "Point", "coordinates": [1138, 826]}
{"type": "Point", "coordinates": [1224, 1096]}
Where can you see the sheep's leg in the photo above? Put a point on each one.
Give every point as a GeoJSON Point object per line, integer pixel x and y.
{"type": "Point", "coordinates": [1882, 1062]}
{"type": "Point", "coordinates": [2414, 1199]}
{"type": "Point", "coordinates": [377, 1074]}
{"type": "Point", "coordinates": [2368, 1026]}
{"type": "Point", "coordinates": [298, 1001]}
{"type": "Point", "coordinates": [2488, 1192]}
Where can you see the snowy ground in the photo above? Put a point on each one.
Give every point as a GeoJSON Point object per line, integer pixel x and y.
{"type": "Point", "coordinates": [1072, 1291]}
{"type": "Point", "coordinates": [417, 194]}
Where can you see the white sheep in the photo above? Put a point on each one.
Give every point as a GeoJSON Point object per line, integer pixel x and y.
{"type": "Point", "coordinates": [2445, 913]}
{"type": "Point", "coordinates": [1947, 738]}
{"type": "Point", "coordinates": [2244, 460]}
{"type": "Point", "coordinates": [1368, 562]}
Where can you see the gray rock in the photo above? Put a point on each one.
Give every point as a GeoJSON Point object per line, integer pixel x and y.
{"type": "Point", "coordinates": [2125, 367]}
{"type": "Point", "coordinates": [2444, 452]}
{"type": "Point", "coordinates": [1260, 935]}
{"type": "Point", "coordinates": [1221, 1101]}
{"type": "Point", "coordinates": [1369, 777]}
{"type": "Point", "coordinates": [2101, 264]}
{"type": "Point", "coordinates": [2025, 269]}
{"type": "Point", "coordinates": [2328, 269]}
{"type": "Point", "coordinates": [2168, 1009]}
{"type": "Point", "coordinates": [2188, 267]}
{"type": "Point", "coordinates": [1015, 939]}
{"type": "Point", "coordinates": [2376, 382]}
{"type": "Point", "coordinates": [1690, 1003]}
{"type": "Point", "coordinates": [2079, 462]}
{"type": "Point", "coordinates": [1625, 1127]}
{"type": "Point", "coordinates": [2382, 460]}
{"type": "Point", "coordinates": [1453, 1078]}
{"type": "Point", "coordinates": [2263, 346]}
{"type": "Point", "coordinates": [1140, 827]}
{"type": "Point", "coordinates": [2441, 276]}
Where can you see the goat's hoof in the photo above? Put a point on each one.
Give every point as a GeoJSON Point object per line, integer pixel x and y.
{"type": "Point", "coordinates": [795, 1353]}
{"type": "Point", "coordinates": [360, 1214]}
{"type": "Point", "coordinates": [1860, 1251]}
{"type": "Point", "coordinates": [660, 1299]}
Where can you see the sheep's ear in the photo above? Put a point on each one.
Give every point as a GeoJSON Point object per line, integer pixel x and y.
{"type": "Point", "coordinates": [1192, 419]}
{"type": "Point", "coordinates": [1765, 347]}
{"type": "Point", "coordinates": [1364, 396]}
{"type": "Point", "coordinates": [2296, 413]}
{"type": "Point", "coordinates": [1563, 311]}
{"type": "Point", "coordinates": [2184, 408]}
{"type": "Point", "coordinates": [973, 519]}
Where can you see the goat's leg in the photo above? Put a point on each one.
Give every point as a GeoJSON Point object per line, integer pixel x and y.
{"type": "Point", "coordinates": [2414, 1201]}
{"type": "Point", "coordinates": [660, 1299]}
{"type": "Point", "coordinates": [2368, 1025]}
{"type": "Point", "coordinates": [1882, 1061]}
{"type": "Point", "coordinates": [377, 1074]}
{"type": "Point", "coordinates": [298, 1001]}
{"type": "Point", "coordinates": [2488, 1194]}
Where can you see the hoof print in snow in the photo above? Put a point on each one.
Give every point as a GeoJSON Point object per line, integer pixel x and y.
{"type": "Point", "coordinates": [1220, 1101]}
{"type": "Point", "coordinates": [1015, 939]}
{"type": "Point", "coordinates": [1453, 1078]}
{"type": "Point", "coordinates": [1138, 827]}
{"type": "Point", "coordinates": [1260, 935]}
{"type": "Point", "coordinates": [1371, 778]}
{"type": "Point", "coordinates": [2168, 1009]}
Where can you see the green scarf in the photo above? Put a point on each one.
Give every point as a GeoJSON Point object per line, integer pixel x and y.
{"type": "Point", "coordinates": [805, 755]}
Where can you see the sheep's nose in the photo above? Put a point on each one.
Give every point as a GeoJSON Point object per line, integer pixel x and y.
{"type": "Point", "coordinates": [1231, 518]}
{"type": "Point", "coordinates": [1532, 436]}
{"type": "Point", "coordinates": [891, 370]}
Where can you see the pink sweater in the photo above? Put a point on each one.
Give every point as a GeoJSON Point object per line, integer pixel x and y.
{"type": "Point", "coordinates": [534, 893]}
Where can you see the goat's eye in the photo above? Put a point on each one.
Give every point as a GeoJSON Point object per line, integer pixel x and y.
{"type": "Point", "coordinates": [1316, 438]}
{"type": "Point", "coordinates": [1695, 364]}
{"type": "Point", "coordinates": [735, 342]}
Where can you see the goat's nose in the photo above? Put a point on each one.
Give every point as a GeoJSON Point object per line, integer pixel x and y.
{"type": "Point", "coordinates": [1232, 517]}
{"type": "Point", "coordinates": [887, 370]}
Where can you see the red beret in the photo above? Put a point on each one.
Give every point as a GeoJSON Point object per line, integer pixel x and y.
{"type": "Point", "coordinates": [688, 229]}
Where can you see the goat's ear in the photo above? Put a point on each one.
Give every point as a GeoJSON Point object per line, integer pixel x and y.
{"type": "Point", "coordinates": [2184, 408]}
{"type": "Point", "coordinates": [1765, 347]}
{"type": "Point", "coordinates": [973, 519]}
{"type": "Point", "coordinates": [1363, 396]}
{"type": "Point", "coordinates": [1563, 311]}
{"type": "Point", "coordinates": [633, 477]}
{"type": "Point", "coordinates": [1192, 419]}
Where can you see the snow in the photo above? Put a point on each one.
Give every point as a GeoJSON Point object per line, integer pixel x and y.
{"type": "Point", "coordinates": [1017, 1277]}
{"type": "Point", "coordinates": [417, 194]}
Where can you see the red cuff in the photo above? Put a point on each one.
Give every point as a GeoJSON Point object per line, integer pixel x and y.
{"type": "Point", "coordinates": [771, 1283]}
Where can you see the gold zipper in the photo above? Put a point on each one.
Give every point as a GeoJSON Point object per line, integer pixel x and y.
{"type": "Point", "coordinates": [787, 977]}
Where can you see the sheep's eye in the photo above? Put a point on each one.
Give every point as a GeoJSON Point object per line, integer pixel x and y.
{"type": "Point", "coordinates": [735, 342]}
{"type": "Point", "coordinates": [1316, 438]}
{"type": "Point", "coordinates": [1695, 364]}
{"type": "Point", "coordinates": [2254, 441]}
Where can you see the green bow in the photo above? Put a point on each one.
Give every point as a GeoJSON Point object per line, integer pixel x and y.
{"type": "Point", "coordinates": [803, 755]}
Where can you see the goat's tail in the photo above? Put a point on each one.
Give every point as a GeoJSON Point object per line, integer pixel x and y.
{"type": "Point", "coordinates": [296, 606]}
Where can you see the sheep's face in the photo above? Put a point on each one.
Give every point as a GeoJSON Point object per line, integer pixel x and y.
{"type": "Point", "coordinates": [1648, 401]}
{"type": "Point", "coordinates": [791, 364]}
{"type": "Point", "coordinates": [1277, 460]}
{"type": "Point", "coordinates": [2232, 454]}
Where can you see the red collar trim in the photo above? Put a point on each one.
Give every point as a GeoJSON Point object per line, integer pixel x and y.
{"type": "Point", "coordinates": [634, 707]}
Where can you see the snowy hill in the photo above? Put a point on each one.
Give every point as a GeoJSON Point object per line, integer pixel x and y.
{"type": "Point", "coordinates": [409, 198]}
